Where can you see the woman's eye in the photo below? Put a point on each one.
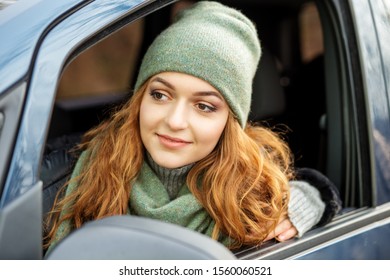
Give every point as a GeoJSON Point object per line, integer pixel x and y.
{"type": "Point", "coordinates": [158, 96]}
{"type": "Point", "coordinates": [206, 108]}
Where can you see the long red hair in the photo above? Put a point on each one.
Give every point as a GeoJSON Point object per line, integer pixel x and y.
{"type": "Point", "coordinates": [243, 182]}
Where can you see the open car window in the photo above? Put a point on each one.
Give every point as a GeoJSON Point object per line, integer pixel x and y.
{"type": "Point", "coordinates": [303, 87]}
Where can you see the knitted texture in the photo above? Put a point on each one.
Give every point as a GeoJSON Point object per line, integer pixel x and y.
{"type": "Point", "coordinates": [212, 42]}
{"type": "Point", "coordinates": [172, 179]}
{"type": "Point", "coordinates": [305, 207]}
{"type": "Point", "coordinates": [328, 190]}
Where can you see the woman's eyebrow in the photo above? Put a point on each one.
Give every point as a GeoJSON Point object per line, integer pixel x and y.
{"type": "Point", "coordinates": [209, 93]}
{"type": "Point", "coordinates": [165, 82]}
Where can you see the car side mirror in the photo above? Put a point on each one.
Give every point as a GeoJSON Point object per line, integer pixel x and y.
{"type": "Point", "coordinates": [135, 238]}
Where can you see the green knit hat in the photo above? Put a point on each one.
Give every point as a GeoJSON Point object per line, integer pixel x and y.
{"type": "Point", "coordinates": [212, 42]}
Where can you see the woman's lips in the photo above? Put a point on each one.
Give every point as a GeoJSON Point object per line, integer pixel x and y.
{"type": "Point", "coordinates": [171, 142]}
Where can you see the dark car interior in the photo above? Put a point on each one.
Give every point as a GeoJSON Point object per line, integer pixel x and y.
{"type": "Point", "coordinates": [294, 92]}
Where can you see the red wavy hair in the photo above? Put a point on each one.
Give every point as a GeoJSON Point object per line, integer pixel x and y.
{"type": "Point", "coordinates": [244, 181]}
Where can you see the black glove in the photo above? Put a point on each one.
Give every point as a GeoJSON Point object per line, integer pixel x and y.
{"type": "Point", "coordinates": [330, 194]}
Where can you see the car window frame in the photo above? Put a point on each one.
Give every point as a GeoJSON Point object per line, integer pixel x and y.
{"type": "Point", "coordinates": [99, 29]}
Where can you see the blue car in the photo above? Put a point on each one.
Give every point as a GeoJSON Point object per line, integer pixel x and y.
{"type": "Point", "coordinates": [324, 79]}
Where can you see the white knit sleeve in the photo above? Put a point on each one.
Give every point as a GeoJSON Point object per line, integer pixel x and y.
{"type": "Point", "coordinates": [305, 207]}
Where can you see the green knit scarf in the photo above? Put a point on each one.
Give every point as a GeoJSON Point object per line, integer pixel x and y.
{"type": "Point", "coordinates": [149, 198]}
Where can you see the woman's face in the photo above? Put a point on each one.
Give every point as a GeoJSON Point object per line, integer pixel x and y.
{"type": "Point", "coordinates": [181, 119]}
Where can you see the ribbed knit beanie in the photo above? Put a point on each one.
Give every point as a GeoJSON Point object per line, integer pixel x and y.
{"type": "Point", "coordinates": [213, 42]}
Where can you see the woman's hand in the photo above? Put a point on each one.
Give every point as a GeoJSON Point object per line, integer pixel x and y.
{"type": "Point", "coordinates": [283, 231]}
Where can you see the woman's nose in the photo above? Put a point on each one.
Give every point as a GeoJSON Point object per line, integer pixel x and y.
{"type": "Point", "coordinates": [177, 117]}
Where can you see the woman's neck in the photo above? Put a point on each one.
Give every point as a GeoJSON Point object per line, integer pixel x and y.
{"type": "Point", "coordinates": [172, 178]}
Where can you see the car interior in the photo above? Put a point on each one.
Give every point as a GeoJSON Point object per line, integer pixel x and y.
{"type": "Point", "coordinates": [299, 90]}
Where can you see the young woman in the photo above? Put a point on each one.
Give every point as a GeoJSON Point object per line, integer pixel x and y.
{"type": "Point", "coordinates": [181, 150]}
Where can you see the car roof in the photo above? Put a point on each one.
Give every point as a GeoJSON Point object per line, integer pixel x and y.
{"type": "Point", "coordinates": [22, 25]}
